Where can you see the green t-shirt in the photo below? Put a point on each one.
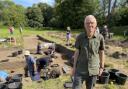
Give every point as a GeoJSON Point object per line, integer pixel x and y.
{"type": "Point", "coordinates": [88, 59]}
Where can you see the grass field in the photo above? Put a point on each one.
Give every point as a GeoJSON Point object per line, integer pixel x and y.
{"type": "Point", "coordinates": [118, 31]}
{"type": "Point", "coordinates": [49, 84]}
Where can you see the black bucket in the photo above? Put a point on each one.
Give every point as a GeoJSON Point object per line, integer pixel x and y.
{"type": "Point", "coordinates": [3, 85]}
{"type": "Point", "coordinates": [113, 73]}
{"type": "Point", "coordinates": [68, 84]}
{"type": "Point", "coordinates": [104, 78]}
{"type": "Point", "coordinates": [20, 51]}
{"type": "Point", "coordinates": [121, 78]}
{"type": "Point", "coordinates": [20, 75]}
{"type": "Point", "coordinates": [15, 85]}
{"type": "Point", "coordinates": [14, 54]}
{"type": "Point", "coordinates": [17, 78]}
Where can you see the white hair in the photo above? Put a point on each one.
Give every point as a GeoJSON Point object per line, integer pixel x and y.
{"type": "Point", "coordinates": [90, 16]}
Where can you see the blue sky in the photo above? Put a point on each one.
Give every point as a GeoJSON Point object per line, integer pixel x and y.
{"type": "Point", "coordinates": [27, 3]}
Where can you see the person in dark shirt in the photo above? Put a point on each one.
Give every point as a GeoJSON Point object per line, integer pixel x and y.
{"type": "Point", "coordinates": [43, 62]}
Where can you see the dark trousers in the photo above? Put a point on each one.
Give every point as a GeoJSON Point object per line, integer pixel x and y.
{"type": "Point", "coordinates": [26, 71]}
{"type": "Point", "coordinates": [31, 73]}
{"type": "Point", "coordinates": [78, 81]}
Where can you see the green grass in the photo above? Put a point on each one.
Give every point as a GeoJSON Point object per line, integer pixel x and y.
{"type": "Point", "coordinates": [4, 33]}
{"type": "Point", "coordinates": [53, 34]}
{"type": "Point", "coordinates": [59, 38]}
{"type": "Point", "coordinates": [117, 37]}
{"type": "Point", "coordinates": [118, 32]}
{"type": "Point", "coordinates": [26, 31]}
{"type": "Point", "coordinates": [110, 86]}
{"type": "Point", "coordinates": [126, 63]}
{"type": "Point", "coordinates": [48, 84]}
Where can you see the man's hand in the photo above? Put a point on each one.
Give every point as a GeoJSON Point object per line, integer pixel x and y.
{"type": "Point", "coordinates": [100, 71]}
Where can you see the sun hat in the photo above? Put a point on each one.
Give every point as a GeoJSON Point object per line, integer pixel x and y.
{"type": "Point", "coordinates": [27, 52]}
{"type": "Point", "coordinates": [68, 28]}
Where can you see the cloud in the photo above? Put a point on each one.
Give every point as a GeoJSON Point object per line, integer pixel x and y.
{"type": "Point", "coordinates": [27, 3]}
{"type": "Point", "coordinates": [50, 2]}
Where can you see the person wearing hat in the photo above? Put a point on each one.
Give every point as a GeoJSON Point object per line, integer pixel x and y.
{"type": "Point", "coordinates": [30, 65]}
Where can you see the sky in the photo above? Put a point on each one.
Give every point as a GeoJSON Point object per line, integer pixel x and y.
{"type": "Point", "coordinates": [27, 3]}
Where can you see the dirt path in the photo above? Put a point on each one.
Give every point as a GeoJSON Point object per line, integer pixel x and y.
{"type": "Point", "coordinates": [30, 42]}
{"type": "Point", "coordinates": [9, 63]}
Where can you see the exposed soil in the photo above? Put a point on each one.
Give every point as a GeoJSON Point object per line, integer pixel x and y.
{"type": "Point", "coordinates": [123, 43]}
{"type": "Point", "coordinates": [9, 63]}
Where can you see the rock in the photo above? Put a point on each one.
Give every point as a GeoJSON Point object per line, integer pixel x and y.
{"type": "Point", "coordinates": [120, 55]}
{"type": "Point", "coordinates": [124, 55]}
{"type": "Point", "coordinates": [6, 60]}
{"type": "Point", "coordinates": [116, 55]}
{"type": "Point", "coordinates": [107, 47]}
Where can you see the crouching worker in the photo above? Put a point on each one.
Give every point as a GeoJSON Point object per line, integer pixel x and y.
{"type": "Point", "coordinates": [50, 51]}
{"type": "Point", "coordinates": [42, 63]}
{"type": "Point", "coordinates": [30, 65]}
{"type": "Point", "coordinates": [4, 76]}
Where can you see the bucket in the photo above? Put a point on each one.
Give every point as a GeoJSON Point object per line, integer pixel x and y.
{"type": "Point", "coordinates": [113, 73]}
{"type": "Point", "coordinates": [104, 78]}
{"type": "Point", "coordinates": [14, 54]}
{"type": "Point", "coordinates": [68, 84]}
{"type": "Point", "coordinates": [19, 75]}
{"type": "Point", "coordinates": [15, 85]}
{"type": "Point", "coordinates": [3, 85]}
{"type": "Point", "coordinates": [17, 78]}
{"type": "Point", "coordinates": [20, 51]}
{"type": "Point", "coordinates": [121, 78]}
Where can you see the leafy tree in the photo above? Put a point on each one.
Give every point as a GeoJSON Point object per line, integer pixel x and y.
{"type": "Point", "coordinates": [47, 13]}
{"type": "Point", "coordinates": [73, 12]}
{"type": "Point", "coordinates": [118, 14]}
{"type": "Point", "coordinates": [34, 16]}
{"type": "Point", "coordinates": [12, 14]}
{"type": "Point", "coordinates": [121, 17]}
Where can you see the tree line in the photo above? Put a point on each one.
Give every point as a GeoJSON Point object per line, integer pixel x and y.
{"type": "Point", "coordinates": [64, 13]}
